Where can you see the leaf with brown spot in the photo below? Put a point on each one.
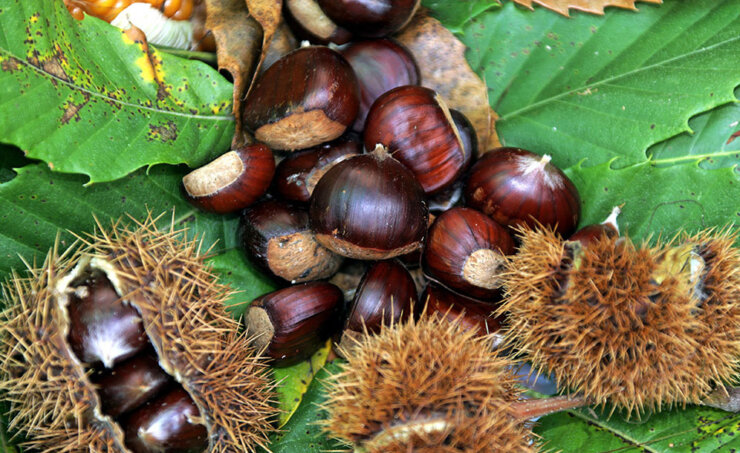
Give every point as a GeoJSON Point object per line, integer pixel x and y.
{"type": "Point", "coordinates": [588, 6]}
{"type": "Point", "coordinates": [441, 59]}
{"type": "Point", "coordinates": [238, 42]}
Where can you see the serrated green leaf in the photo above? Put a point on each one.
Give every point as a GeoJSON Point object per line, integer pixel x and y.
{"type": "Point", "coordinates": [456, 14]}
{"type": "Point", "coordinates": [596, 88]}
{"type": "Point", "coordinates": [85, 98]}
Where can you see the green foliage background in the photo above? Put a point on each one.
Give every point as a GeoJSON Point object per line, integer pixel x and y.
{"type": "Point", "coordinates": [638, 108]}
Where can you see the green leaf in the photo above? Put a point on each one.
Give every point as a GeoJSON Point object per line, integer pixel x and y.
{"type": "Point", "coordinates": [456, 14]}
{"type": "Point", "coordinates": [596, 88]}
{"type": "Point", "coordinates": [236, 270]}
{"type": "Point", "coordinates": [10, 158]}
{"type": "Point", "coordinates": [85, 98]}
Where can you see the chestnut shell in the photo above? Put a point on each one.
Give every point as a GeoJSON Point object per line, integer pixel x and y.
{"type": "Point", "coordinates": [473, 314]}
{"type": "Point", "coordinates": [370, 18]}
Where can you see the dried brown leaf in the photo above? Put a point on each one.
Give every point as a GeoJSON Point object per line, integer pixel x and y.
{"type": "Point", "coordinates": [588, 6]}
{"type": "Point", "coordinates": [282, 43]}
{"type": "Point", "coordinates": [443, 67]}
{"type": "Point", "coordinates": [268, 14]}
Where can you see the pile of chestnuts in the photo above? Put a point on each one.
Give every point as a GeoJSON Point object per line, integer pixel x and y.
{"type": "Point", "coordinates": [374, 171]}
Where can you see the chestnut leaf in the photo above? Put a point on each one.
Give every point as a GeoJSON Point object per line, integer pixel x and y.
{"type": "Point", "coordinates": [590, 6]}
{"type": "Point", "coordinates": [85, 98]}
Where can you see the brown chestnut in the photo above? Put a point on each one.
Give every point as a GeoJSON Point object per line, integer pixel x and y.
{"type": "Point", "coordinates": [369, 207]}
{"type": "Point", "coordinates": [380, 65]}
{"type": "Point", "coordinates": [308, 97]}
{"type": "Point", "coordinates": [103, 327]}
{"type": "Point", "coordinates": [130, 384]}
{"type": "Point", "coordinates": [591, 233]}
{"type": "Point", "coordinates": [472, 314]}
{"type": "Point", "coordinates": [231, 182]}
{"type": "Point", "coordinates": [277, 236]}
{"type": "Point", "coordinates": [168, 424]}
{"type": "Point", "coordinates": [516, 187]}
{"type": "Point", "coordinates": [309, 22]}
{"type": "Point", "coordinates": [415, 124]}
{"type": "Point", "coordinates": [370, 18]}
{"type": "Point", "coordinates": [292, 323]}
{"type": "Point", "coordinates": [385, 295]}
{"type": "Point", "coordinates": [298, 173]}
{"type": "Point", "coordinates": [468, 136]}
{"type": "Point", "coordinates": [465, 252]}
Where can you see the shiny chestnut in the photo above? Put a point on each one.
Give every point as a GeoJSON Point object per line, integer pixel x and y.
{"type": "Point", "coordinates": [310, 23]}
{"type": "Point", "coordinates": [465, 252]}
{"type": "Point", "coordinates": [415, 125]}
{"type": "Point", "coordinates": [516, 187]}
{"type": "Point", "coordinates": [380, 66]}
{"type": "Point", "coordinates": [298, 173]}
{"type": "Point", "coordinates": [370, 18]}
{"type": "Point", "coordinates": [592, 233]}
{"type": "Point", "coordinates": [277, 236]}
{"type": "Point", "coordinates": [472, 314]}
{"type": "Point", "coordinates": [369, 207]}
{"type": "Point", "coordinates": [308, 97]}
{"type": "Point", "coordinates": [231, 182]}
{"type": "Point", "coordinates": [292, 323]}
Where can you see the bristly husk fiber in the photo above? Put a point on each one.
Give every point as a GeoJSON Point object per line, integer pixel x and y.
{"type": "Point", "coordinates": [165, 277]}
{"type": "Point", "coordinates": [425, 386]}
{"type": "Point", "coordinates": [623, 324]}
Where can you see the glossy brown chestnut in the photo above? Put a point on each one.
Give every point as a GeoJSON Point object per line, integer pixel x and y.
{"type": "Point", "coordinates": [370, 18]}
{"type": "Point", "coordinates": [297, 174]}
{"type": "Point", "coordinates": [468, 136]}
{"type": "Point", "coordinates": [465, 252]}
{"type": "Point", "coordinates": [310, 23]}
{"type": "Point", "coordinates": [385, 295]}
{"type": "Point", "coordinates": [231, 182]}
{"type": "Point", "coordinates": [103, 327]}
{"type": "Point", "coordinates": [292, 323]}
{"type": "Point", "coordinates": [473, 314]}
{"type": "Point", "coordinates": [517, 187]}
{"type": "Point", "coordinates": [380, 65]}
{"type": "Point", "coordinates": [167, 424]}
{"type": "Point", "coordinates": [591, 233]}
{"type": "Point", "coordinates": [277, 236]}
{"type": "Point", "coordinates": [130, 384]}
{"type": "Point", "coordinates": [369, 207]}
{"type": "Point", "coordinates": [414, 123]}
{"type": "Point", "coordinates": [308, 97]}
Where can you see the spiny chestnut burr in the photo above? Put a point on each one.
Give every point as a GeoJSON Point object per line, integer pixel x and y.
{"type": "Point", "coordinates": [309, 22]}
{"type": "Point", "coordinates": [591, 233]}
{"type": "Point", "coordinates": [516, 187]}
{"type": "Point", "coordinates": [465, 251]}
{"type": "Point", "coordinates": [380, 65]}
{"type": "Point", "coordinates": [369, 207]}
{"type": "Point", "coordinates": [298, 173]}
{"type": "Point", "coordinates": [103, 327]}
{"type": "Point", "coordinates": [170, 423]}
{"type": "Point", "coordinates": [386, 294]}
{"type": "Point", "coordinates": [472, 314]}
{"type": "Point", "coordinates": [276, 235]}
{"type": "Point", "coordinates": [415, 124]}
{"type": "Point", "coordinates": [308, 97]}
{"type": "Point", "coordinates": [231, 182]}
{"type": "Point", "coordinates": [370, 18]}
{"type": "Point", "coordinates": [292, 323]}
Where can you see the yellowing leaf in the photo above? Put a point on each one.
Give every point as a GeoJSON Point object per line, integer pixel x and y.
{"type": "Point", "coordinates": [588, 6]}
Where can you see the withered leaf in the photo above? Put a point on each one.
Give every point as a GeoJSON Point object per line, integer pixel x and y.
{"type": "Point", "coordinates": [588, 6]}
{"type": "Point", "coordinates": [239, 42]}
{"type": "Point", "coordinates": [268, 14]}
{"type": "Point", "coordinates": [441, 59]}
{"type": "Point", "coordinates": [283, 42]}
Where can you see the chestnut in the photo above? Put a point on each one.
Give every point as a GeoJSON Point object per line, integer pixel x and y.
{"type": "Point", "coordinates": [298, 173]}
{"type": "Point", "coordinates": [369, 207]}
{"type": "Point", "coordinates": [591, 233]}
{"type": "Point", "coordinates": [292, 323]}
{"type": "Point", "coordinates": [170, 423]}
{"type": "Point", "coordinates": [232, 181]}
{"type": "Point", "coordinates": [385, 295]}
{"type": "Point", "coordinates": [308, 97]}
{"type": "Point", "coordinates": [472, 314]}
{"type": "Point", "coordinates": [516, 187]}
{"type": "Point", "coordinates": [468, 136]}
{"type": "Point", "coordinates": [465, 252]}
{"type": "Point", "coordinates": [415, 124]}
{"type": "Point", "coordinates": [380, 65]}
{"type": "Point", "coordinates": [103, 328]}
{"type": "Point", "coordinates": [130, 384]}
{"type": "Point", "coordinates": [370, 18]}
{"type": "Point", "coordinates": [309, 22]}
{"type": "Point", "coordinates": [276, 235]}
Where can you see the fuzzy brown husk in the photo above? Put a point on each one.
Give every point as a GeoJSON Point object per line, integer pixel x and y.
{"type": "Point", "coordinates": [598, 320]}
{"type": "Point", "coordinates": [165, 277]}
{"type": "Point", "coordinates": [425, 385]}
